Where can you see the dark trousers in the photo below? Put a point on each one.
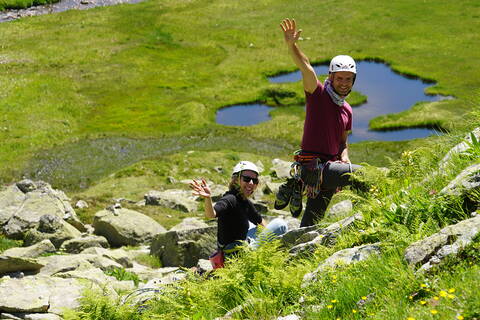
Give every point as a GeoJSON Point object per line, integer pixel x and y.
{"type": "Point", "coordinates": [335, 174]}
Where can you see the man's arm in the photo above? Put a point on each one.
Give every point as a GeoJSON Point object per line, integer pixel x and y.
{"type": "Point", "coordinates": [299, 58]}
{"type": "Point", "coordinates": [344, 148]}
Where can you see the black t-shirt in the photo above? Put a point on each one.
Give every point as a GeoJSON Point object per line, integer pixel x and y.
{"type": "Point", "coordinates": [233, 213]}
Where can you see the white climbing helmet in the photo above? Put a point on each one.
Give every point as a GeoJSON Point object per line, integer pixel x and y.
{"type": "Point", "coordinates": [343, 63]}
{"type": "Point", "coordinates": [245, 165]}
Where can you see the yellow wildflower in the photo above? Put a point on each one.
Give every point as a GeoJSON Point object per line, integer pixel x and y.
{"type": "Point", "coordinates": [354, 311]}
{"type": "Point", "coordinates": [460, 317]}
{"type": "Point", "coordinates": [329, 306]}
{"type": "Point", "coordinates": [410, 318]}
{"type": "Point", "coordinates": [423, 285]}
{"type": "Point", "coordinates": [334, 301]}
{"type": "Point", "coordinates": [422, 302]}
{"type": "Point", "coordinates": [450, 296]}
{"type": "Point", "coordinates": [451, 290]}
{"type": "Point", "coordinates": [410, 297]}
{"type": "Point", "coordinates": [443, 293]}
{"type": "Point", "coordinates": [436, 298]}
{"type": "Point", "coordinates": [364, 298]}
{"type": "Point", "coordinates": [433, 311]}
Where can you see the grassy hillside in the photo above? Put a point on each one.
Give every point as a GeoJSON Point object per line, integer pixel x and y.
{"type": "Point", "coordinates": [162, 68]}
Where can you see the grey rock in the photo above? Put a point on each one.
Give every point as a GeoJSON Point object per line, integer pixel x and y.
{"type": "Point", "coordinates": [34, 251]}
{"type": "Point", "coordinates": [467, 180]}
{"type": "Point", "coordinates": [271, 187]}
{"type": "Point", "coordinates": [11, 200]}
{"type": "Point", "coordinates": [39, 201]}
{"type": "Point", "coordinates": [204, 266]}
{"type": "Point", "coordinates": [120, 256]}
{"type": "Point", "coordinates": [148, 274]}
{"type": "Point", "coordinates": [289, 317]}
{"type": "Point", "coordinates": [343, 257]}
{"type": "Point", "coordinates": [281, 168]}
{"type": "Point", "coordinates": [26, 185]}
{"type": "Point", "coordinates": [340, 209]}
{"type": "Point", "coordinates": [188, 224]}
{"type": "Point", "coordinates": [291, 237]}
{"type": "Point", "coordinates": [39, 294]}
{"type": "Point", "coordinates": [127, 227]}
{"type": "Point", "coordinates": [326, 236]}
{"type": "Point", "coordinates": [64, 232]}
{"type": "Point", "coordinates": [459, 148]}
{"type": "Point", "coordinates": [448, 241]}
{"type": "Point", "coordinates": [13, 264]}
{"type": "Point", "coordinates": [81, 204]}
{"type": "Point", "coordinates": [77, 245]}
{"type": "Point", "coordinates": [42, 316]}
{"type": "Point", "coordinates": [174, 199]}
{"type": "Point", "coordinates": [184, 248]}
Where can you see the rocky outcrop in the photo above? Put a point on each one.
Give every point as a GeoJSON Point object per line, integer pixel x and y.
{"type": "Point", "coordinates": [466, 181]}
{"type": "Point", "coordinates": [39, 294]}
{"type": "Point", "coordinates": [281, 168]}
{"type": "Point", "coordinates": [306, 240]}
{"type": "Point", "coordinates": [125, 227]}
{"type": "Point", "coordinates": [459, 148]}
{"type": "Point", "coordinates": [343, 257]}
{"type": "Point", "coordinates": [181, 200]}
{"type": "Point", "coordinates": [43, 247]}
{"type": "Point", "coordinates": [340, 209]}
{"type": "Point", "coordinates": [23, 204]}
{"type": "Point", "coordinates": [185, 247]}
{"type": "Point", "coordinates": [449, 241]}
{"type": "Point", "coordinates": [77, 245]}
{"type": "Point", "coordinates": [10, 264]}
{"type": "Point", "coordinates": [188, 224]}
{"type": "Point", "coordinates": [51, 228]}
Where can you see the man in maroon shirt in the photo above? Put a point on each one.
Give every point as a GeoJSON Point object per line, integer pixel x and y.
{"type": "Point", "coordinates": [323, 160]}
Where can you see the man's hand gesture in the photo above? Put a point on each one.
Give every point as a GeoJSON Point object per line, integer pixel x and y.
{"type": "Point", "coordinates": [200, 188]}
{"type": "Point", "coordinates": [290, 32]}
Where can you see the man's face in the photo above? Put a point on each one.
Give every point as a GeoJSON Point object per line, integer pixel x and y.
{"type": "Point", "coordinates": [342, 82]}
{"type": "Point", "coordinates": [248, 182]}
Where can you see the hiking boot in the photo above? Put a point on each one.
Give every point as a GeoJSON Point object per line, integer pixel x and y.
{"type": "Point", "coordinates": [296, 205]}
{"type": "Point", "coordinates": [284, 194]}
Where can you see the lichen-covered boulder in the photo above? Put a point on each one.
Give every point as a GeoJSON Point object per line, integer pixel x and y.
{"type": "Point", "coordinates": [124, 227]}
{"type": "Point", "coordinates": [45, 246]}
{"type": "Point", "coordinates": [448, 241]}
{"type": "Point", "coordinates": [184, 247]}
{"type": "Point", "coordinates": [21, 213]}
{"type": "Point", "coordinates": [77, 245]}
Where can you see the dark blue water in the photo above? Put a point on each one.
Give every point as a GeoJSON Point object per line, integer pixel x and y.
{"type": "Point", "coordinates": [386, 91]}
{"type": "Point", "coordinates": [243, 115]}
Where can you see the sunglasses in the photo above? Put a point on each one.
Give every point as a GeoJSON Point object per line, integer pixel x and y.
{"type": "Point", "coordinates": [248, 179]}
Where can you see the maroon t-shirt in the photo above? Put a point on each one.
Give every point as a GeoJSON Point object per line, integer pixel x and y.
{"type": "Point", "coordinates": [325, 122]}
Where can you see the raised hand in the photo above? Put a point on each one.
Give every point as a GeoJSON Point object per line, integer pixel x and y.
{"type": "Point", "coordinates": [200, 188]}
{"type": "Point", "coordinates": [290, 32]}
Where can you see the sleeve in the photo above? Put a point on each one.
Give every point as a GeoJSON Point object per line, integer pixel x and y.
{"type": "Point", "coordinates": [349, 121]}
{"type": "Point", "coordinates": [311, 99]}
{"type": "Point", "coordinates": [223, 205]}
{"type": "Point", "coordinates": [253, 215]}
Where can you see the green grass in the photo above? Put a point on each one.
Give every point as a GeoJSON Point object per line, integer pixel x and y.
{"type": "Point", "coordinates": [7, 243]}
{"type": "Point", "coordinates": [150, 71]}
{"type": "Point", "coordinates": [403, 205]}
